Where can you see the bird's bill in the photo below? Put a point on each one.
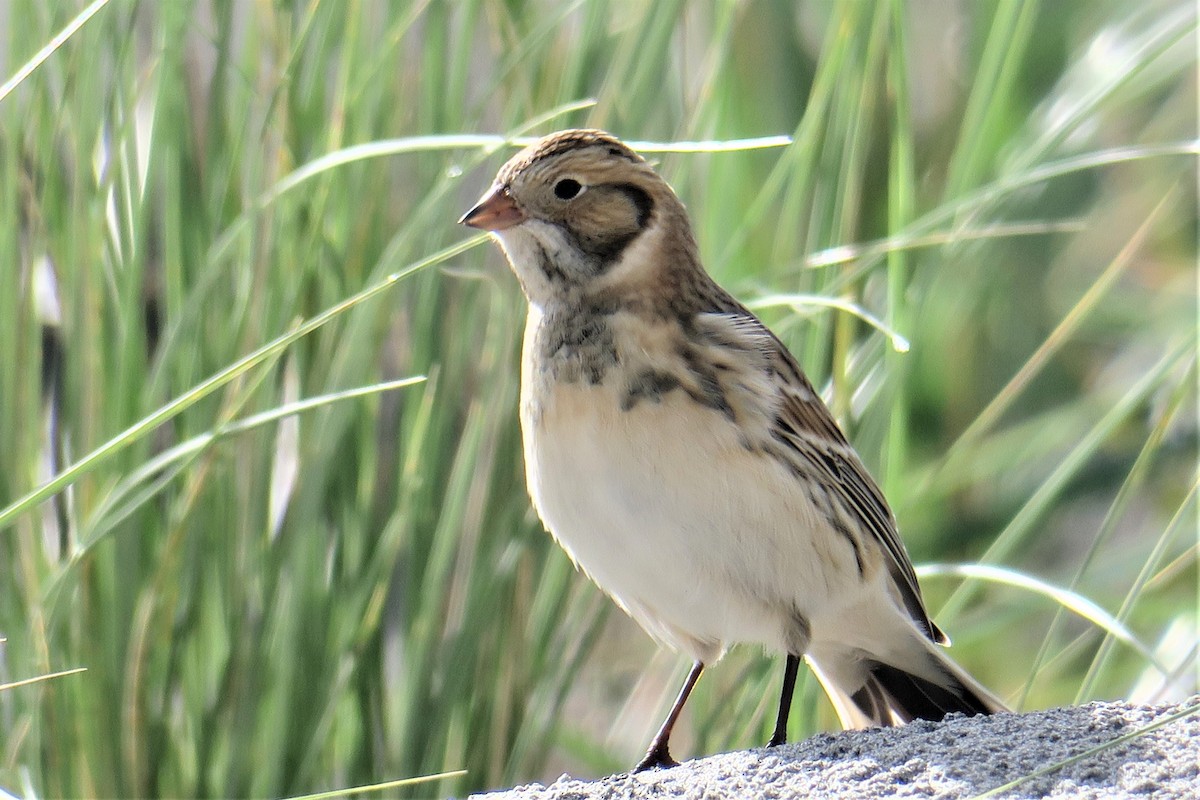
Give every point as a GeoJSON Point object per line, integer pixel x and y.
{"type": "Point", "coordinates": [496, 211]}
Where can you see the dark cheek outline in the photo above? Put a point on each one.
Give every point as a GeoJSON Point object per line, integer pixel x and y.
{"type": "Point", "coordinates": [606, 251]}
{"type": "Point", "coordinates": [641, 201]}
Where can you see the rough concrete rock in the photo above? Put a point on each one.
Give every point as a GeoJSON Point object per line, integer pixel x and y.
{"type": "Point", "coordinates": [956, 758]}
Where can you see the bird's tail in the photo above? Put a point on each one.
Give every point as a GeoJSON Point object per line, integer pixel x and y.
{"type": "Point", "coordinates": [871, 691]}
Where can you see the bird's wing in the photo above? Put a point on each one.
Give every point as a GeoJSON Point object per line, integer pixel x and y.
{"type": "Point", "coordinates": [814, 448]}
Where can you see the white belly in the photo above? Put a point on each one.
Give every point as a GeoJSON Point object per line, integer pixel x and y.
{"type": "Point", "coordinates": [702, 541]}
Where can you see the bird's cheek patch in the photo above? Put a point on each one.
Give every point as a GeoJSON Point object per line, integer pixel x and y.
{"type": "Point", "coordinates": [637, 197]}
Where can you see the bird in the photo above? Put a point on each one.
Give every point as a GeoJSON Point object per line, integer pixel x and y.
{"type": "Point", "coordinates": [678, 453]}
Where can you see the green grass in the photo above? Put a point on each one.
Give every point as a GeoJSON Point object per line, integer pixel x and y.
{"type": "Point", "coordinates": [229, 240]}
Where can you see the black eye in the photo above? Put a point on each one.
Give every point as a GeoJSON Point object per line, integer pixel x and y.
{"type": "Point", "coordinates": [567, 188]}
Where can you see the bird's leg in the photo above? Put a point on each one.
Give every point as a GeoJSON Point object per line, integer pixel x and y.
{"type": "Point", "coordinates": [785, 701]}
{"type": "Point", "coordinates": [658, 755]}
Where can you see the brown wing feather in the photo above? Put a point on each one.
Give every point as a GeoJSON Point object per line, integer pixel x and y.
{"type": "Point", "coordinates": [804, 425]}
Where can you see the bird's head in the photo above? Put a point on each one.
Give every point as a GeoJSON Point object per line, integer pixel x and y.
{"type": "Point", "coordinates": [578, 212]}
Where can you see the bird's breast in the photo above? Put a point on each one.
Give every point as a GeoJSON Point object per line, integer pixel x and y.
{"type": "Point", "coordinates": [647, 479]}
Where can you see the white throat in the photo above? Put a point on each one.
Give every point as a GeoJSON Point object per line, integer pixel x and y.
{"type": "Point", "coordinates": [551, 270]}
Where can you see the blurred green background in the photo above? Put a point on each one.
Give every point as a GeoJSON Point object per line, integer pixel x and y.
{"type": "Point", "coordinates": [272, 597]}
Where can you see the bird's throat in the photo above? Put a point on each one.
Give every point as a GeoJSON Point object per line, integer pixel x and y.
{"type": "Point", "coordinates": [573, 342]}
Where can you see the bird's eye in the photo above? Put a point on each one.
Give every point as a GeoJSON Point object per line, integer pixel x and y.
{"type": "Point", "coordinates": [567, 188]}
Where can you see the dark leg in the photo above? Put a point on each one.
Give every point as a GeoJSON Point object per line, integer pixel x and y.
{"type": "Point", "coordinates": [785, 701]}
{"type": "Point", "coordinates": [658, 755]}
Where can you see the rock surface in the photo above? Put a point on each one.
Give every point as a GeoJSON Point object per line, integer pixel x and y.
{"type": "Point", "coordinates": [1131, 751]}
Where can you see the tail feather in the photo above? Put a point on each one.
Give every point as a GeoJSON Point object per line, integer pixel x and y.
{"type": "Point", "coordinates": [867, 692]}
{"type": "Point", "coordinates": [913, 697]}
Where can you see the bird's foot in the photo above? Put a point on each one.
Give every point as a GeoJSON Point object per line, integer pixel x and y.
{"type": "Point", "coordinates": [656, 757]}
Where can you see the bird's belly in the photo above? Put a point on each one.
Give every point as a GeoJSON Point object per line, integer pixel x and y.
{"type": "Point", "coordinates": [704, 541]}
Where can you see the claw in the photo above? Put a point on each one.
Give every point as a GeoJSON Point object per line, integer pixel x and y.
{"type": "Point", "coordinates": [657, 757]}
